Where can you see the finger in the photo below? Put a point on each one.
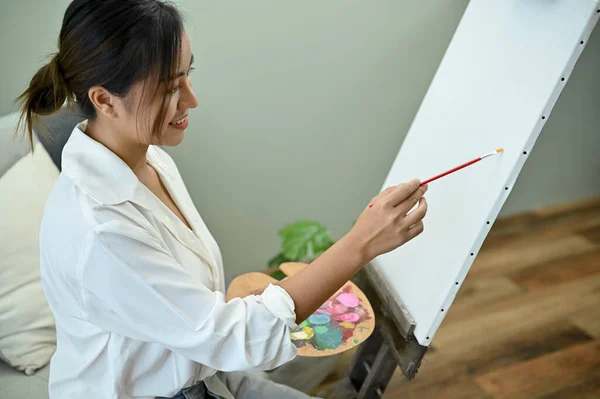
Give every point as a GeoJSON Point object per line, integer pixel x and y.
{"type": "Point", "coordinates": [418, 214]}
{"type": "Point", "coordinates": [381, 195]}
{"type": "Point", "coordinates": [411, 201]}
{"type": "Point", "coordinates": [415, 230]}
{"type": "Point", "coordinates": [387, 191]}
{"type": "Point", "coordinates": [402, 192]}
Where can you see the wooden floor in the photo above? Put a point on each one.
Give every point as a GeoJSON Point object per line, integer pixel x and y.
{"type": "Point", "coordinates": [526, 322]}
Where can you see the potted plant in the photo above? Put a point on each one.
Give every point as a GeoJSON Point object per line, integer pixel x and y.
{"type": "Point", "coordinates": [302, 241]}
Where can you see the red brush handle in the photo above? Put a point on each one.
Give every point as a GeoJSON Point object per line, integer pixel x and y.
{"type": "Point", "coordinates": [464, 165]}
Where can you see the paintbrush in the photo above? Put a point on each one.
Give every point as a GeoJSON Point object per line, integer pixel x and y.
{"type": "Point", "coordinates": [464, 165]}
{"type": "Point", "coordinates": [459, 167]}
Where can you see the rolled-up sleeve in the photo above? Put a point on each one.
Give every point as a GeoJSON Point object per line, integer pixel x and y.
{"type": "Point", "coordinates": [132, 286]}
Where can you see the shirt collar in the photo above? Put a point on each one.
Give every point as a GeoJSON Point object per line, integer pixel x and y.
{"type": "Point", "coordinates": [99, 172]}
{"type": "Point", "coordinates": [108, 180]}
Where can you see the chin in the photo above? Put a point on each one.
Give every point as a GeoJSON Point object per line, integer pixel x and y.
{"type": "Point", "coordinates": [172, 137]}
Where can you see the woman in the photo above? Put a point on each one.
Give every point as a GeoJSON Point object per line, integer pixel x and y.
{"type": "Point", "coordinates": [132, 274]}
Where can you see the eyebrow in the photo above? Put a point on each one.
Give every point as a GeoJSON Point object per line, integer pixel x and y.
{"type": "Point", "coordinates": [183, 73]}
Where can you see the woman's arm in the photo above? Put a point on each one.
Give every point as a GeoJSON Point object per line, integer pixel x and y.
{"type": "Point", "coordinates": [131, 285]}
{"type": "Point", "coordinates": [379, 229]}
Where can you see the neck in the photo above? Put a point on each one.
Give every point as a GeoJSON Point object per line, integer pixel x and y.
{"type": "Point", "coordinates": [132, 152]}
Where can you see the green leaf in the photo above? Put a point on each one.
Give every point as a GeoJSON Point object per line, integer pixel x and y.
{"type": "Point", "coordinates": [304, 239]}
{"type": "Point", "coordinates": [278, 260]}
{"type": "Point", "coordinates": [278, 275]}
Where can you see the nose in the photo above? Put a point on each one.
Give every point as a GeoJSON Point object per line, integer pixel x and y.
{"type": "Point", "coordinates": [188, 98]}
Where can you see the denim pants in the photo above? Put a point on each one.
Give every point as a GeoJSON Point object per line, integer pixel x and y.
{"type": "Point", "coordinates": [196, 391]}
{"type": "Point", "coordinates": [241, 385]}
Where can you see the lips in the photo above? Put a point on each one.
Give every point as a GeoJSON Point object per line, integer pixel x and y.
{"type": "Point", "coordinates": [179, 121]}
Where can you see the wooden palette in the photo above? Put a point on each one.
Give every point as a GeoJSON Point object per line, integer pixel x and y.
{"type": "Point", "coordinates": [343, 322]}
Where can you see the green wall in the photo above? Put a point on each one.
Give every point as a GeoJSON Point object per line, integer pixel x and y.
{"type": "Point", "coordinates": [304, 105]}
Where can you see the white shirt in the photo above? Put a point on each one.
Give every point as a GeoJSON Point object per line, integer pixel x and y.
{"type": "Point", "coordinates": [137, 296]}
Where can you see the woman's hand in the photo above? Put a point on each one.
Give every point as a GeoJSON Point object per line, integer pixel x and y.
{"type": "Point", "coordinates": [385, 224]}
{"type": "Point", "coordinates": [382, 227]}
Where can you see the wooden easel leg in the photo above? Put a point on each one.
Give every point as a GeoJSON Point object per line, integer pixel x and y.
{"type": "Point", "coordinates": [370, 371]}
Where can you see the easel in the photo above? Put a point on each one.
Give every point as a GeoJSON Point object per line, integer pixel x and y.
{"type": "Point", "coordinates": [392, 344]}
{"type": "Point", "coordinates": [545, 40]}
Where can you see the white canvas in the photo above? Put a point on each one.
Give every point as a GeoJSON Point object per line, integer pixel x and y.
{"type": "Point", "coordinates": [495, 87]}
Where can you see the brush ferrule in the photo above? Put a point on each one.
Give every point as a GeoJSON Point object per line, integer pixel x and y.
{"type": "Point", "coordinates": [489, 154]}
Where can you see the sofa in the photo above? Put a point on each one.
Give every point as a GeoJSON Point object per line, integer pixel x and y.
{"type": "Point", "coordinates": [27, 334]}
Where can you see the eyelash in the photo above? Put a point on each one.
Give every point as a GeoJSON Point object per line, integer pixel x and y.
{"type": "Point", "coordinates": [175, 90]}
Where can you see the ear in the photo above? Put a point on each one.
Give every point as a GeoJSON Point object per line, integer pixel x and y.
{"type": "Point", "coordinates": [103, 101]}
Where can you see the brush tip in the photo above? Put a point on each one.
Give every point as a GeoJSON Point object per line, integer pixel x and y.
{"type": "Point", "coordinates": [500, 150]}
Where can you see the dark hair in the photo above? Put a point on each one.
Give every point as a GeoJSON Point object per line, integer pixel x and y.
{"type": "Point", "coordinates": [111, 43]}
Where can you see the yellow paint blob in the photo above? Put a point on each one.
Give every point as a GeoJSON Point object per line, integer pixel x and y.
{"type": "Point", "coordinates": [347, 324]}
{"type": "Point", "coordinates": [303, 335]}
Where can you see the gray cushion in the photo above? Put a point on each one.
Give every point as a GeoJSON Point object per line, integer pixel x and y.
{"type": "Point", "coordinates": [16, 385]}
{"type": "Point", "coordinates": [58, 127]}
{"type": "Point", "coordinates": [52, 131]}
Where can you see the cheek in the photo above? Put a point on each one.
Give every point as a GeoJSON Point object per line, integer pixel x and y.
{"type": "Point", "coordinates": [172, 109]}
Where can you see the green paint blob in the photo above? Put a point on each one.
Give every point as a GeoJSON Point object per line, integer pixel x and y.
{"type": "Point", "coordinates": [330, 338]}
{"type": "Point", "coordinates": [303, 324]}
{"type": "Point", "coordinates": [319, 319]}
{"type": "Point", "coordinates": [320, 329]}
{"type": "Point", "coordinates": [356, 341]}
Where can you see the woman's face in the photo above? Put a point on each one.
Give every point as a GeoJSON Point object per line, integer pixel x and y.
{"type": "Point", "coordinates": [181, 98]}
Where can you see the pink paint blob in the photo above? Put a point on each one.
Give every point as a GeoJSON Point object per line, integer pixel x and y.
{"type": "Point", "coordinates": [338, 309]}
{"type": "Point", "coordinates": [348, 300]}
{"type": "Point", "coordinates": [325, 305]}
{"type": "Point", "coordinates": [349, 317]}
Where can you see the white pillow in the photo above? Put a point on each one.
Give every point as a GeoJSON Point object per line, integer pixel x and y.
{"type": "Point", "coordinates": [11, 148]}
{"type": "Point", "coordinates": [27, 328]}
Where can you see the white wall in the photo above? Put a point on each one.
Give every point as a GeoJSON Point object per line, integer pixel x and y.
{"type": "Point", "coordinates": [303, 106]}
